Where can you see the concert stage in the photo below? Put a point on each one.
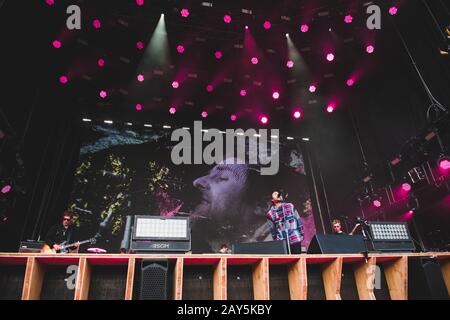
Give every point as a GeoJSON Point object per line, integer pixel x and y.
{"type": "Point", "coordinates": [223, 277]}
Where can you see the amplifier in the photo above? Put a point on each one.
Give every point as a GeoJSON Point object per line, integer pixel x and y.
{"type": "Point", "coordinates": [160, 246]}
{"type": "Point", "coordinates": [30, 246]}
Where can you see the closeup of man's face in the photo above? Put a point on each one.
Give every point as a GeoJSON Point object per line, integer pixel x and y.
{"type": "Point", "coordinates": [337, 227]}
{"type": "Point", "coordinates": [67, 220]}
{"type": "Point", "coordinates": [221, 190]}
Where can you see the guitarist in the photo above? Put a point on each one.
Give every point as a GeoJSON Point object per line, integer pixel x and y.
{"type": "Point", "coordinates": [63, 233]}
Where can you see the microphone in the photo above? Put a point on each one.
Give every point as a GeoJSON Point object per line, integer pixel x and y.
{"type": "Point", "coordinates": [283, 194]}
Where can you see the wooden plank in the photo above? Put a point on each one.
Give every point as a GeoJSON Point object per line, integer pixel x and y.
{"type": "Point", "coordinates": [34, 278]}
{"type": "Point", "coordinates": [261, 280]}
{"type": "Point", "coordinates": [130, 279]}
{"type": "Point", "coordinates": [203, 259]}
{"type": "Point", "coordinates": [83, 280]}
{"type": "Point", "coordinates": [178, 283]}
{"type": "Point", "coordinates": [332, 275]}
{"type": "Point", "coordinates": [396, 273]}
{"type": "Point", "coordinates": [298, 280]}
{"type": "Point", "coordinates": [365, 279]}
{"type": "Point", "coordinates": [220, 280]}
{"type": "Point", "coordinates": [445, 267]}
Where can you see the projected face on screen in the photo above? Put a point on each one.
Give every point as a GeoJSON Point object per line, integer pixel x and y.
{"type": "Point", "coordinates": [221, 190]}
{"type": "Point", "coordinates": [225, 203]}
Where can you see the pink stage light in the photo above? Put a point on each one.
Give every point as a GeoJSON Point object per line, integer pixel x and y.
{"type": "Point", "coordinates": [139, 107]}
{"type": "Point", "coordinates": [255, 60]}
{"type": "Point", "coordinates": [140, 2]}
{"type": "Point", "coordinates": [233, 117]}
{"type": "Point", "coordinates": [101, 63]}
{"type": "Point", "coordinates": [297, 115]}
{"type": "Point", "coordinates": [204, 114]}
{"type": "Point", "coordinates": [103, 94]}
{"type": "Point", "coordinates": [267, 25]}
{"type": "Point", "coordinates": [243, 93]}
{"type": "Point", "coordinates": [97, 24]}
{"type": "Point", "coordinates": [350, 82]}
{"type": "Point", "coordinates": [444, 164]}
{"type": "Point", "coordinates": [290, 64]}
{"type": "Point", "coordinates": [175, 84]}
{"type": "Point", "coordinates": [408, 216]}
{"type": "Point", "coordinates": [184, 13]}
{"type": "Point", "coordinates": [218, 54]}
{"type": "Point", "coordinates": [50, 2]}
{"type": "Point", "coordinates": [330, 57]}
{"type": "Point", "coordinates": [140, 45]}
{"type": "Point", "coordinates": [393, 11]}
{"type": "Point", "coordinates": [348, 19]}
{"type": "Point", "coordinates": [330, 108]}
{"type": "Point", "coordinates": [180, 49]}
{"type": "Point", "coordinates": [312, 88]}
{"type": "Point", "coordinates": [63, 79]}
{"type": "Point", "coordinates": [140, 78]}
{"type": "Point", "coordinates": [246, 27]}
{"type": "Point", "coordinates": [227, 19]}
{"type": "Point", "coordinates": [172, 110]}
{"type": "Point", "coordinates": [276, 95]}
{"type": "Point", "coordinates": [406, 187]}
{"type": "Point", "coordinates": [377, 203]}
{"type": "Point", "coordinates": [264, 120]}
{"type": "Point", "coordinates": [304, 28]}
{"type": "Point", "coordinates": [370, 49]}
{"type": "Point", "coordinates": [6, 189]}
{"type": "Point", "coordinates": [57, 44]}
{"type": "Point", "coordinates": [210, 88]}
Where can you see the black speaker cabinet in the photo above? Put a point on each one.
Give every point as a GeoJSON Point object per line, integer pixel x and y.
{"type": "Point", "coordinates": [316, 289]}
{"type": "Point", "coordinates": [349, 291]}
{"type": "Point", "coordinates": [279, 282]}
{"type": "Point", "coordinates": [240, 283]}
{"type": "Point", "coordinates": [11, 281]}
{"type": "Point", "coordinates": [108, 283]}
{"type": "Point", "coordinates": [425, 279]}
{"type": "Point", "coordinates": [198, 283]}
{"type": "Point", "coordinates": [269, 247]}
{"type": "Point", "coordinates": [335, 244]}
{"type": "Point", "coordinates": [55, 285]}
{"type": "Point", "coordinates": [155, 280]}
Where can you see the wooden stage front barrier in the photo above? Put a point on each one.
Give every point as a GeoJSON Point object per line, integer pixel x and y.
{"type": "Point", "coordinates": [218, 277]}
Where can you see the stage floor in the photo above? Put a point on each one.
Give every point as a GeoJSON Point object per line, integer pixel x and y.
{"type": "Point", "coordinates": [218, 277]}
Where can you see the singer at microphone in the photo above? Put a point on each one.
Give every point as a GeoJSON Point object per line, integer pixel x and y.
{"type": "Point", "coordinates": [285, 223]}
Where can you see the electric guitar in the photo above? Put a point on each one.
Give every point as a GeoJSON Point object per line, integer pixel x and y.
{"type": "Point", "coordinates": [46, 248]}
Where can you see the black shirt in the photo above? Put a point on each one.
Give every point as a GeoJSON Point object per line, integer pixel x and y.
{"type": "Point", "coordinates": [340, 233]}
{"type": "Point", "coordinates": [57, 235]}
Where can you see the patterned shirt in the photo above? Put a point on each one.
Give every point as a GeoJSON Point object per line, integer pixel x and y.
{"type": "Point", "coordinates": [284, 218]}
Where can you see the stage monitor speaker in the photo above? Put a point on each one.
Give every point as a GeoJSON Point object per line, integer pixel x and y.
{"type": "Point", "coordinates": [336, 244]}
{"type": "Point", "coordinates": [425, 279]}
{"type": "Point", "coordinates": [155, 280]}
{"type": "Point", "coordinates": [270, 247]}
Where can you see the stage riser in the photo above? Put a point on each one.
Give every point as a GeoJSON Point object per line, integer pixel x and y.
{"type": "Point", "coordinates": [310, 277]}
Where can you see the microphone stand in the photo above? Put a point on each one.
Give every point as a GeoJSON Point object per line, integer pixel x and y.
{"type": "Point", "coordinates": [366, 236]}
{"type": "Point", "coordinates": [285, 228]}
